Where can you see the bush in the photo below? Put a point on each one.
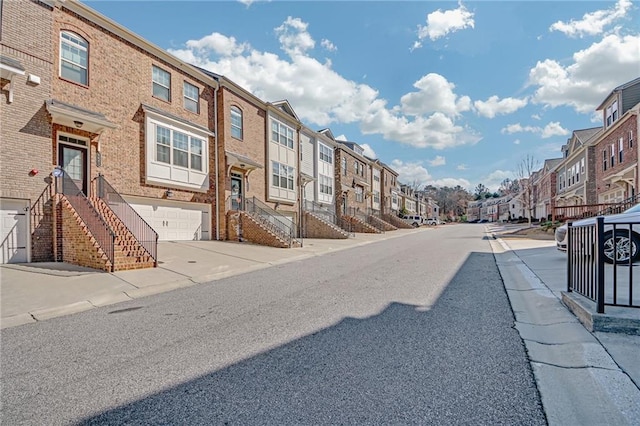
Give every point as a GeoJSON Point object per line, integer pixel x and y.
{"type": "Point", "coordinates": [547, 225]}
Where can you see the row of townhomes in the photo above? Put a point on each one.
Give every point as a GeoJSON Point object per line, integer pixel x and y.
{"type": "Point", "coordinates": [109, 144]}
{"type": "Point", "coordinates": [598, 171]}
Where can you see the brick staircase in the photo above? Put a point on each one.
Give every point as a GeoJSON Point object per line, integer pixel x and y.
{"type": "Point", "coordinates": [358, 225]}
{"type": "Point", "coordinates": [81, 247]}
{"type": "Point", "coordinates": [396, 221]}
{"type": "Point", "coordinates": [128, 252]}
{"type": "Point", "coordinates": [381, 224]}
{"type": "Point", "coordinates": [243, 226]}
{"type": "Point", "coordinates": [316, 226]}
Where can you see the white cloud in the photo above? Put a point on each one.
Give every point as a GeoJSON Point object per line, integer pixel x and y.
{"type": "Point", "coordinates": [494, 106]}
{"type": "Point", "coordinates": [536, 116]}
{"type": "Point", "coordinates": [451, 183]}
{"type": "Point", "coordinates": [551, 129]}
{"type": "Point", "coordinates": [341, 138]}
{"type": "Point", "coordinates": [493, 180]}
{"type": "Point", "coordinates": [321, 96]}
{"type": "Point", "coordinates": [516, 142]}
{"type": "Point", "coordinates": [595, 71]}
{"type": "Point", "coordinates": [328, 45]}
{"type": "Point", "coordinates": [368, 151]}
{"type": "Point", "coordinates": [440, 23]}
{"type": "Point", "coordinates": [554, 129]}
{"type": "Point", "coordinates": [439, 160]}
{"type": "Point", "coordinates": [435, 95]}
{"type": "Point", "coordinates": [461, 167]}
{"type": "Point", "coordinates": [411, 172]}
{"type": "Point", "coordinates": [593, 23]}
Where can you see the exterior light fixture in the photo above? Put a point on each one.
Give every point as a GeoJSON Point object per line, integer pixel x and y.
{"type": "Point", "coordinates": [78, 123]}
{"type": "Point", "coordinates": [168, 193]}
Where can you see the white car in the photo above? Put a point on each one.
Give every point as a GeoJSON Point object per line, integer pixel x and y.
{"type": "Point", "coordinates": [623, 247]}
{"type": "Point", "coordinates": [413, 219]}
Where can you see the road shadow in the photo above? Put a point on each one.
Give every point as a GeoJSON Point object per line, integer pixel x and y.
{"type": "Point", "coordinates": [459, 361]}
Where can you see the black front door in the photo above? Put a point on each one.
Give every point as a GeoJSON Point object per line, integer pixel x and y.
{"type": "Point", "coordinates": [74, 161]}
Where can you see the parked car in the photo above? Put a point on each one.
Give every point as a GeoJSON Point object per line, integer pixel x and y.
{"type": "Point", "coordinates": [623, 246]}
{"type": "Point", "coordinates": [432, 222]}
{"type": "Point", "coordinates": [413, 219]}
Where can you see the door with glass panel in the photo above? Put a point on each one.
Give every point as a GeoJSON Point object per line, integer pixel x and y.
{"type": "Point", "coordinates": [73, 159]}
{"type": "Point", "coordinates": [236, 192]}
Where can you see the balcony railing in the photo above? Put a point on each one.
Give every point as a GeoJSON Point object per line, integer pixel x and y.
{"type": "Point", "coordinates": [271, 219]}
{"type": "Point", "coordinates": [99, 229]}
{"type": "Point", "coordinates": [139, 228]}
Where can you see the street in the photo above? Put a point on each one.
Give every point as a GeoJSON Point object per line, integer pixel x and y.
{"type": "Point", "coordinates": [411, 330]}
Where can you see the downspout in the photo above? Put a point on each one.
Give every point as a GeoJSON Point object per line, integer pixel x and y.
{"type": "Point", "coordinates": [215, 137]}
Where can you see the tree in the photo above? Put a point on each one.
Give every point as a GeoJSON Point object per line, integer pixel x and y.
{"type": "Point", "coordinates": [526, 168]}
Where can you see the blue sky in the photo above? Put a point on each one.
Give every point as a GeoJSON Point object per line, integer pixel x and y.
{"type": "Point", "coordinates": [447, 93]}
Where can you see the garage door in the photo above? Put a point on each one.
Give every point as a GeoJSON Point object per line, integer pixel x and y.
{"type": "Point", "coordinates": [174, 220]}
{"type": "Point", "coordinates": [14, 231]}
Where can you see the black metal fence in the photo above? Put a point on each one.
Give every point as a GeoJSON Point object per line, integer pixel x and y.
{"type": "Point", "coordinates": [328, 213]}
{"type": "Point", "coordinates": [100, 230]}
{"type": "Point", "coordinates": [139, 228]}
{"type": "Point", "coordinates": [601, 258]}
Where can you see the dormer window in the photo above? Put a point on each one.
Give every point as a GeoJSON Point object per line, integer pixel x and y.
{"type": "Point", "coordinates": [612, 113]}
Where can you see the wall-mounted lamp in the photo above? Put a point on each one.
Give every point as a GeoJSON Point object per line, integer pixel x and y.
{"type": "Point", "coordinates": [608, 185]}
{"type": "Point", "coordinates": [78, 123]}
{"type": "Point", "coordinates": [168, 193]}
{"type": "Point", "coordinates": [276, 206]}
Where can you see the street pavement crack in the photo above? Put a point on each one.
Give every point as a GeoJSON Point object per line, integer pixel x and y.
{"type": "Point", "coordinates": [577, 367]}
{"type": "Point", "coordinates": [546, 325]}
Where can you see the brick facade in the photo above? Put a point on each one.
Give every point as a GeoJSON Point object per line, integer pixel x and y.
{"type": "Point", "coordinates": [347, 183]}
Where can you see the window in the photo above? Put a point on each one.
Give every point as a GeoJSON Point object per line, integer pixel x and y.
{"type": "Point", "coordinates": [282, 175]}
{"type": "Point", "coordinates": [191, 98]}
{"type": "Point", "coordinates": [179, 149]}
{"type": "Point", "coordinates": [281, 134]}
{"type": "Point", "coordinates": [359, 194]}
{"type": "Point", "coordinates": [236, 122]}
{"type": "Point", "coordinates": [376, 196]}
{"type": "Point", "coordinates": [326, 154]}
{"type": "Point", "coordinates": [613, 155]}
{"type": "Point", "coordinates": [620, 150]}
{"type": "Point", "coordinates": [604, 160]}
{"type": "Point", "coordinates": [376, 177]}
{"type": "Point", "coordinates": [582, 166]}
{"type": "Point", "coordinates": [630, 138]}
{"type": "Point", "coordinates": [612, 113]}
{"type": "Point", "coordinates": [161, 84]}
{"type": "Point", "coordinates": [326, 185]}
{"type": "Point", "coordinates": [74, 58]}
{"type": "Point", "coordinates": [344, 166]}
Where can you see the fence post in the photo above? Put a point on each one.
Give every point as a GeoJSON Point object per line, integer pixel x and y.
{"type": "Point", "coordinates": [599, 250]}
{"type": "Point", "coordinates": [569, 257]}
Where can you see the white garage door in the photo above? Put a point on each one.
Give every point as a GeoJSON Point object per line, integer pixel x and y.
{"type": "Point", "coordinates": [174, 220]}
{"type": "Point", "coordinates": [14, 231]}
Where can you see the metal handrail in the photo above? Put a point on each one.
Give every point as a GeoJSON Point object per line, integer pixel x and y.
{"type": "Point", "coordinates": [99, 228]}
{"type": "Point", "coordinates": [590, 210]}
{"type": "Point", "coordinates": [319, 209]}
{"type": "Point", "coordinates": [269, 218]}
{"type": "Point", "coordinates": [146, 236]}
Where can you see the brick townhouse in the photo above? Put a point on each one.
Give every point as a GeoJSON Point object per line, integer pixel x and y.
{"type": "Point", "coordinates": [617, 147]}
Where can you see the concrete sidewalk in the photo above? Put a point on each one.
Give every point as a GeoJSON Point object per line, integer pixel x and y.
{"type": "Point", "coordinates": [584, 378]}
{"type": "Point", "coordinates": [39, 291]}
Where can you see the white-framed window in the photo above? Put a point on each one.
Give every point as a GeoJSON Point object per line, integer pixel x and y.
{"type": "Point", "coordinates": [282, 175]}
{"type": "Point", "coordinates": [236, 122]}
{"type": "Point", "coordinates": [359, 194]}
{"type": "Point", "coordinates": [344, 166]}
{"type": "Point", "coordinates": [620, 150]}
{"type": "Point", "coordinates": [74, 58]}
{"type": "Point", "coordinates": [281, 133]}
{"type": "Point", "coordinates": [376, 176]}
{"type": "Point", "coordinates": [326, 154]}
{"type": "Point", "coordinates": [604, 160]}
{"type": "Point", "coordinates": [613, 155]}
{"type": "Point", "coordinates": [376, 196]}
{"type": "Point", "coordinates": [612, 113]}
{"type": "Point", "coordinates": [161, 84]}
{"type": "Point", "coordinates": [582, 166]}
{"type": "Point", "coordinates": [191, 97]}
{"type": "Point", "coordinates": [178, 148]}
{"type": "Point", "coordinates": [630, 138]}
{"type": "Point", "coordinates": [326, 185]}
{"type": "Point", "coordinates": [176, 152]}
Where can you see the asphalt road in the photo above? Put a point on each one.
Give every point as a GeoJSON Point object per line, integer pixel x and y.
{"type": "Point", "coordinates": [411, 330]}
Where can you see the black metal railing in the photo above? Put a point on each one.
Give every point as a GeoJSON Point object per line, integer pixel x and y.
{"type": "Point", "coordinates": [278, 224]}
{"type": "Point", "coordinates": [591, 210]}
{"type": "Point", "coordinates": [600, 262]}
{"type": "Point", "coordinates": [325, 212]}
{"type": "Point", "coordinates": [99, 229]}
{"type": "Point", "coordinates": [137, 226]}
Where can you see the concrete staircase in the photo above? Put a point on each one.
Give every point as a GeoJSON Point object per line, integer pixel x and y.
{"type": "Point", "coordinates": [356, 224]}
{"type": "Point", "coordinates": [381, 224]}
{"type": "Point", "coordinates": [316, 226]}
{"type": "Point", "coordinates": [243, 226]}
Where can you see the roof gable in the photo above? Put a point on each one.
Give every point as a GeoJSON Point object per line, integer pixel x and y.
{"type": "Point", "coordinates": [285, 107]}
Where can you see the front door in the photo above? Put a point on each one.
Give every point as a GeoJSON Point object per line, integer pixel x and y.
{"type": "Point", "coordinates": [236, 192]}
{"type": "Point", "coordinates": [73, 159]}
